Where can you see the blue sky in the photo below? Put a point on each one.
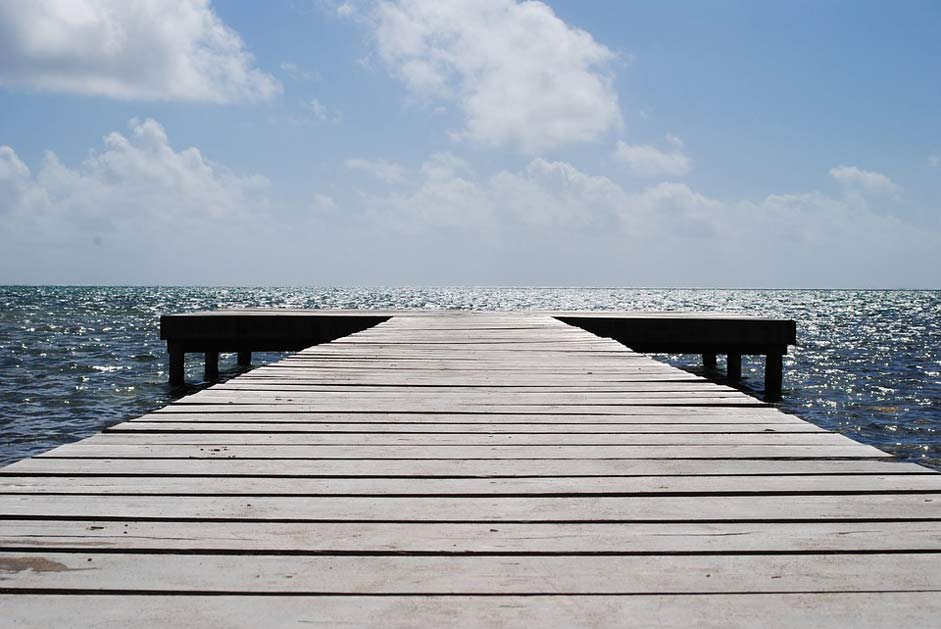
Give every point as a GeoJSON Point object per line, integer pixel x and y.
{"type": "Point", "coordinates": [485, 142]}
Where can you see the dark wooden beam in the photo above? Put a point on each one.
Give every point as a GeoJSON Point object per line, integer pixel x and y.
{"type": "Point", "coordinates": [733, 368]}
{"type": "Point", "coordinates": [774, 375]}
{"type": "Point", "coordinates": [212, 365]}
{"type": "Point", "coordinates": [177, 366]}
{"type": "Point", "coordinates": [709, 361]}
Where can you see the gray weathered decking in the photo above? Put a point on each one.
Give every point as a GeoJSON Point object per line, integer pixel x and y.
{"type": "Point", "coordinates": [441, 469]}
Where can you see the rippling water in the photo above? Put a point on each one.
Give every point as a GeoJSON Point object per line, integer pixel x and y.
{"type": "Point", "coordinates": [74, 360]}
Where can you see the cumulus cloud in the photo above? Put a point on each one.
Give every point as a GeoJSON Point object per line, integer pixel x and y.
{"type": "Point", "coordinates": [381, 169]}
{"type": "Point", "coordinates": [142, 50]}
{"type": "Point", "coordinates": [553, 219]}
{"type": "Point", "coordinates": [324, 202]}
{"type": "Point", "coordinates": [649, 161]}
{"type": "Point", "coordinates": [545, 197]}
{"type": "Point", "coordinates": [447, 195]}
{"type": "Point", "coordinates": [138, 183]}
{"type": "Point", "coordinates": [141, 210]}
{"type": "Point", "coordinates": [556, 194]}
{"type": "Point", "coordinates": [322, 112]}
{"type": "Point", "coordinates": [522, 77]}
{"type": "Point", "coordinates": [296, 72]}
{"type": "Point", "coordinates": [853, 178]}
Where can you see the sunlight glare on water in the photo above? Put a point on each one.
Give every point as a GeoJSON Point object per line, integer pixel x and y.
{"type": "Point", "coordinates": [74, 360]}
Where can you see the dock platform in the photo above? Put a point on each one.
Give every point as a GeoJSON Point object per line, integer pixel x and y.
{"type": "Point", "coordinates": [247, 330]}
{"type": "Point", "coordinates": [469, 469]}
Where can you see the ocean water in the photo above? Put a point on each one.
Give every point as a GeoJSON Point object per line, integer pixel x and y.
{"type": "Point", "coordinates": [74, 360]}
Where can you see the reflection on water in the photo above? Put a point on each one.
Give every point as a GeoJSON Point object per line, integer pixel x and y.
{"type": "Point", "coordinates": [74, 360]}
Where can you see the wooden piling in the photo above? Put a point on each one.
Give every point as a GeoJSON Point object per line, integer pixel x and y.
{"type": "Point", "coordinates": [709, 361]}
{"type": "Point", "coordinates": [212, 365]}
{"type": "Point", "coordinates": [176, 360]}
{"type": "Point", "coordinates": [733, 368]}
{"type": "Point", "coordinates": [774, 376]}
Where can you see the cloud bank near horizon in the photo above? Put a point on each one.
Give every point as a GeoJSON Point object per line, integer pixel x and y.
{"type": "Point", "coordinates": [140, 193]}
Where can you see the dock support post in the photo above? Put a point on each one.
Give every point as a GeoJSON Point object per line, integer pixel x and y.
{"type": "Point", "coordinates": [709, 361]}
{"type": "Point", "coordinates": [774, 375]}
{"type": "Point", "coordinates": [245, 359]}
{"type": "Point", "coordinates": [177, 368]}
{"type": "Point", "coordinates": [212, 365]}
{"type": "Point", "coordinates": [733, 367]}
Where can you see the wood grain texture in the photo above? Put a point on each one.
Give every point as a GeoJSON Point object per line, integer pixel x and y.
{"type": "Point", "coordinates": [469, 469]}
{"type": "Point", "coordinates": [576, 538]}
{"type": "Point", "coordinates": [669, 611]}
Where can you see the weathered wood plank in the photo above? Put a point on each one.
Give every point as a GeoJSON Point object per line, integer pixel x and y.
{"type": "Point", "coordinates": [484, 509]}
{"type": "Point", "coordinates": [651, 485]}
{"type": "Point", "coordinates": [667, 414]}
{"type": "Point", "coordinates": [425, 407]}
{"type": "Point", "coordinates": [416, 398]}
{"type": "Point", "coordinates": [455, 538]}
{"type": "Point", "coordinates": [318, 373]}
{"type": "Point", "coordinates": [485, 468]}
{"type": "Point", "coordinates": [366, 452]}
{"type": "Point", "coordinates": [232, 424]}
{"type": "Point", "coordinates": [470, 440]}
{"type": "Point", "coordinates": [473, 575]}
{"type": "Point", "coordinates": [861, 610]}
{"type": "Point", "coordinates": [599, 392]}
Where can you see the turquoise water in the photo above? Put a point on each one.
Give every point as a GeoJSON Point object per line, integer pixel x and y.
{"type": "Point", "coordinates": [74, 360]}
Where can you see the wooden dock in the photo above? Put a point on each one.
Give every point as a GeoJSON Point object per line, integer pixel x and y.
{"type": "Point", "coordinates": [247, 330]}
{"type": "Point", "coordinates": [469, 469]}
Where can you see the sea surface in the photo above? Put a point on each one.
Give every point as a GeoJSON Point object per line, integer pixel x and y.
{"type": "Point", "coordinates": [74, 360]}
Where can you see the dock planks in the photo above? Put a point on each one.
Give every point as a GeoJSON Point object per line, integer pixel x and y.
{"type": "Point", "coordinates": [469, 468]}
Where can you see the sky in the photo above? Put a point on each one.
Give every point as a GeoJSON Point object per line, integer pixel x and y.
{"type": "Point", "coordinates": [702, 143]}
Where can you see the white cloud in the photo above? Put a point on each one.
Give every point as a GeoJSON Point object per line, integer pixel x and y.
{"type": "Point", "coordinates": [137, 186]}
{"type": "Point", "coordinates": [649, 161]}
{"type": "Point", "coordinates": [934, 161]}
{"type": "Point", "coordinates": [522, 77]}
{"type": "Point", "coordinates": [324, 203]}
{"type": "Point", "coordinates": [296, 72]}
{"type": "Point", "coordinates": [381, 169]}
{"type": "Point", "coordinates": [551, 219]}
{"type": "Point", "coordinates": [141, 50]}
{"type": "Point", "coordinates": [442, 165]}
{"type": "Point", "coordinates": [141, 210]}
{"type": "Point", "coordinates": [17, 189]}
{"type": "Point", "coordinates": [322, 112]}
{"type": "Point", "coordinates": [446, 196]}
{"type": "Point", "coordinates": [544, 196]}
{"type": "Point", "coordinates": [853, 178]}
{"type": "Point", "coordinates": [559, 195]}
